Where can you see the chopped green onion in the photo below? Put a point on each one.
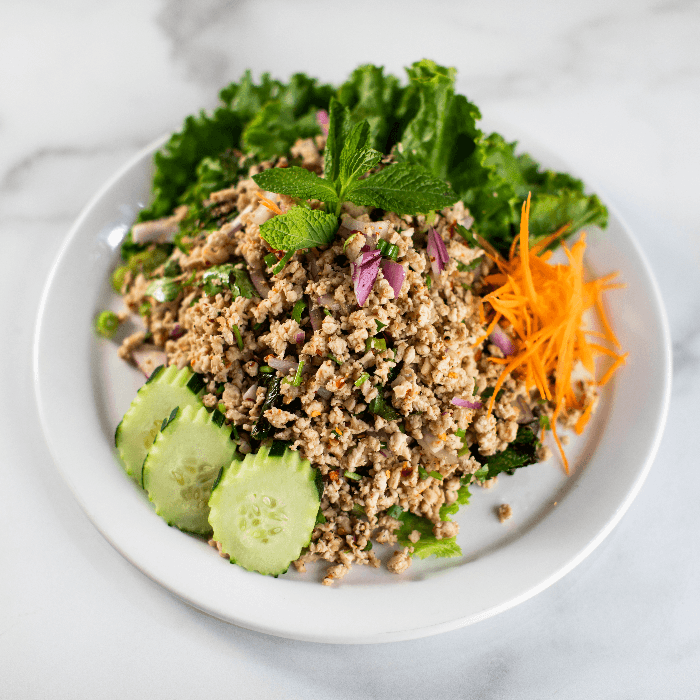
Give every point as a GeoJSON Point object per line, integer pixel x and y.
{"type": "Point", "coordinates": [270, 259]}
{"type": "Point", "coordinates": [375, 344]}
{"type": "Point", "coordinates": [280, 265]}
{"type": "Point", "coordinates": [436, 475]}
{"type": "Point", "coordinates": [382, 246]}
{"type": "Point", "coordinates": [335, 359]}
{"type": "Point", "coordinates": [363, 378]}
{"type": "Point", "coordinates": [352, 475]}
{"type": "Point", "coordinates": [395, 511]}
{"type": "Point", "coordinates": [266, 369]}
{"type": "Point", "coordinates": [239, 337]}
{"type": "Point", "coordinates": [348, 239]}
{"type": "Point", "coordinates": [297, 377]}
{"type": "Point", "coordinates": [423, 474]}
{"type": "Point", "coordinates": [327, 311]}
{"type": "Point", "coordinates": [118, 277]}
{"type": "Point", "coordinates": [106, 324]}
{"type": "Point", "coordinates": [298, 310]}
{"type": "Point", "coordinates": [428, 282]}
{"type": "Point", "coordinates": [258, 326]}
{"type": "Point", "coordinates": [392, 252]}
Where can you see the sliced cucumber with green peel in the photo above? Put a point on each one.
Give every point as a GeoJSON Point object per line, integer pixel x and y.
{"type": "Point", "coordinates": [263, 510]}
{"type": "Point", "coordinates": [183, 464]}
{"type": "Point", "coordinates": [166, 388]}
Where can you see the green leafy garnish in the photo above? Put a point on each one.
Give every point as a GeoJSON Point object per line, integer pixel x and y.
{"type": "Point", "coordinates": [164, 289]}
{"type": "Point", "coordinates": [349, 155]}
{"type": "Point", "coordinates": [428, 545]}
{"type": "Point", "coordinates": [522, 452]}
{"type": "Point", "coordinates": [228, 276]}
{"type": "Point", "coordinates": [380, 407]}
{"type": "Point", "coordinates": [299, 228]}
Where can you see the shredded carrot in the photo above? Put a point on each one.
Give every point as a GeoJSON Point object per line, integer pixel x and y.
{"type": "Point", "coordinates": [544, 305]}
{"type": "Point", "coordinates": [269, 204]}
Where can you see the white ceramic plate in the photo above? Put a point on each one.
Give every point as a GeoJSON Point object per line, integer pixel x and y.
{"type": "Point", "coordinates": [83, 389]}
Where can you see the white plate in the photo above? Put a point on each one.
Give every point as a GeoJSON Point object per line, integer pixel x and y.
{"type": "Point", "coordinates": [83, 389]}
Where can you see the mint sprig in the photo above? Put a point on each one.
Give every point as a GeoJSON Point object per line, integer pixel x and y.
{"type": "Point", "coordinates": [404, 188]}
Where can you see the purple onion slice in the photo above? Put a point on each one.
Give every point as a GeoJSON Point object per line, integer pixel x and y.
{"type": "Point", "coordinates": [465, 403]}
{"type": "Point", "coordinates": [437, 252]}
{"type": "Point", "coordinates": [394, 274]}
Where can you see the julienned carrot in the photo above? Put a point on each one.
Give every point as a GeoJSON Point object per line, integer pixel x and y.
{"type": "Point", "coordinates": [545, 304]}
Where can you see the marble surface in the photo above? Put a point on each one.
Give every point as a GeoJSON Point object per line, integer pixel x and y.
{"type": "Point", "coordinates": [613, 87]}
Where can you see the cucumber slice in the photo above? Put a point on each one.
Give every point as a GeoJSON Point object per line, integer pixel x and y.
{"type": "Point", "coordinates": [263, 510]}
{"type": "Point", "coordinates": [183, 464]}
{"type": "Point", "coordinates": [165, 389]}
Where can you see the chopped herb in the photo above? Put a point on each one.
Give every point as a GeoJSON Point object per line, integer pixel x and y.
{"type": "Point", "coordinates": [368, 546]}
{"type": "Point", "coordinates": [280, 265]}
{"type": "Point", "coordinates": [106, 324]}
{"type": "Point", "coordinates": [298, 310]}
{"type": "Point", "coordinates": [118, 278]}
{"type": "Point", "coordinates": [375, 343]}
{"type": "Point", "coordinates": [297, 377]}
{"type": "Point", "coordinates": [436, 475]}
{"type": "Point", "coordinates": [481, 474]}
{"type": "Point", "coordinates": [335, 359]}
{"type": "Point", "coordinates": [394, 511]}
{"type": "Point", "coordinates": [380, 325]}
{"type": "Point", "coordinates": [222, 407]}
{"type": "Point", "coordinates": [164, 289]}
{"type": "Point", "coordinates": [352, 475]}
{"type": "Point", "coordinates": [488, 393]}
{"type": "Point", "coordinates": [266, 369]}
{"type": "Point", "coordinates": [320, 517]}
{"type": "Point", "coordinates": [544, 422]}
{"type": "Point", "coordinates": [468, 267]}
{"type": "Point", "coordinates": [172, 268]}
{"type": "Point", "coordinates": [263, 427]}
{"type": "Point", "coordinates": [422, 472]}
{"type": "Point", "coordinates": [428, 281]}
{"type": "Point", "coordinates": [362, 379]}
{"type": "Point", "coordinates": [270, 259]}
{"type": "Point", "coordinates": [239, 337]}
{"type": "Point", "coordinates": [381, 408]}
{"type": "Point", "coordinates": [522, 452]}
{"type": "Point", "coordinates": [357, 509]}
{"type": "Point", "coordinates": [144, 309]}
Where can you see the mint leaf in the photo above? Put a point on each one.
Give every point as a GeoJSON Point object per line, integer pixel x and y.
{"type": "Point", "coordinates": [404, 189]}
{"type": "Point", "coordinates": [218, 277]}
{"type": "Point", "coordinates": [357, 157]}
{"type": "Point", "coordinates": [428, 544]}
{"type": "Point", "coordinates": [296, 182]}
{"type": "Point", "coordinates": [300, 228]}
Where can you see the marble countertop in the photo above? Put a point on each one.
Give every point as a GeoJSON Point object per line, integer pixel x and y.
{"type": "Point", "coordinates": [613, 88]}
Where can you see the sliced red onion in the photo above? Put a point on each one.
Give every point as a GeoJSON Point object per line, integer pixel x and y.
{"type": "Point", "coordinates": [364, 274]}
{"type": "Point", "coordinates": [177, 331]}
{"type": "Point", "coordinates": [259, 282]}
{"type": "Point", "coordinates": [329, 302]}
{"type": "Point", "coordinates": [236, 225]}
{"type": "Point", "coordinates": [499, 338]}
{"type": "Point", "coordinates": [300, 338]}
{"type": "Point", "coordinates": [261, 215]}
{"type": "Point", "coordinates": [465, 403]}
{"type": "Point", "coordinates": [282, 365]}
{"type": "Point", "coordinates": [313, 268]}
{"type": "Point", "coordinates": [322, 120]}
{"type": "Point", "coordinates": [315, 316]}
{"type": "Point", "coordinates": [394, 274]}
{"type": "Point", "coordinates": [159, 229]}
{"type": "Point", "coordinates": [147, 357]}
{"type": "Point", "coordinates": [437, 252]}
{"type": "Point", "coordinates": [251, 393]}
{"type": "Point", "coordinates": [526, 414]}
